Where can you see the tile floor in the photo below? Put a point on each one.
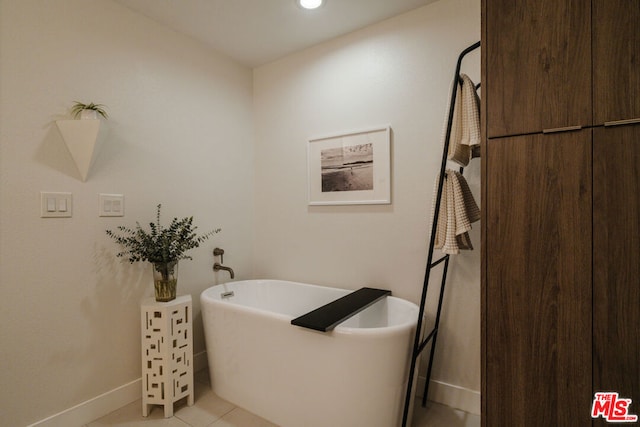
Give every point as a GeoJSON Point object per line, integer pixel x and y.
{"type": "Point", "coordinates": [211, 411]}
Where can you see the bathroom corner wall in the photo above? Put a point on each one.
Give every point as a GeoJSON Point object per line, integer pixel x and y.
{"type": "Point", "coordinates": [180, 133]}
{"type": "Point", "coordinates": [397, 72]}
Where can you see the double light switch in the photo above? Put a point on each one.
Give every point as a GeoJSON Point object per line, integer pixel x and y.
{"type": "Point", "coordinates": [111, 205]}
{"type": "Point", "coordinates": [56, 205]}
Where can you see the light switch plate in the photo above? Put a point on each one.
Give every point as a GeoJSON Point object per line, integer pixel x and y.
{"type": "Point", "coordinates": [111, 205]}
{"type": "Point", "coordinates": [56, 205]}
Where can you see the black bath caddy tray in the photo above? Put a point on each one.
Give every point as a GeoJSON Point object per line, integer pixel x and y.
{"type": "Point", "coordinates": [327, 317]}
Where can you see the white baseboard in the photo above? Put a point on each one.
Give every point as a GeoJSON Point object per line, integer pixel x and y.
{"type": "Point", "coordinates": [451, 395]}
{"type": "Point", "coordinates": [94, 408]}
{"type": "Point", "coordinates": [106, 403]}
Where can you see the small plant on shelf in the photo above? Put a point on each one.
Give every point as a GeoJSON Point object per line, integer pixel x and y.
{"type": "Point", "coordinates": [79, 107]}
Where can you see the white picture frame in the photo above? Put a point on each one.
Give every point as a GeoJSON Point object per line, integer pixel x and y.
{"type": "Point", "coordinates": [350, 168]}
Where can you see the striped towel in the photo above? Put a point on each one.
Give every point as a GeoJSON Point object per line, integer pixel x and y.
{"type": "Point", "coordinates": [458, 210]}
{"type": "Point", "coordinates": [465, 138]}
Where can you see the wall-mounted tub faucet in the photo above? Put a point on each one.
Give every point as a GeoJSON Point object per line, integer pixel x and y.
{"type": "Point", "coordinates": [218, 265]}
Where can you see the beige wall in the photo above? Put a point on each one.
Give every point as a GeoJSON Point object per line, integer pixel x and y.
{"type": "Point", "coordinates": [398, 73]}
{"type": "Point", "coordinates": [180, 134]}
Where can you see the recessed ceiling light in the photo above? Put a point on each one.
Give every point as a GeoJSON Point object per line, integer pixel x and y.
{"type": "Point", "coordinates": [310, 4]}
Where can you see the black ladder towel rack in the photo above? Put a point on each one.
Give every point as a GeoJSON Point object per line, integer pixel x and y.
{"type": "Point", "coordinates": [419, 344]}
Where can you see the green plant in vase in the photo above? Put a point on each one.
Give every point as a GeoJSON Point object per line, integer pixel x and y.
{"type": "Point", "coordinates": [163, 247]}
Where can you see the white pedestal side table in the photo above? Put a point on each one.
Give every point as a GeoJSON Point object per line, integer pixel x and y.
{"type": "Point", "coordinates": [167, 353]}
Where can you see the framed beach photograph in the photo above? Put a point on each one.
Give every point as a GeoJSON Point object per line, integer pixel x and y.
{"type": "Point", "coordinates": [350, 168]}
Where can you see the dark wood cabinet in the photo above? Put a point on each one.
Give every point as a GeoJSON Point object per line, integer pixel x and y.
{"type": "Point", "coordinates": [616, 262]}
{"type": "Point", "coordinates": [561, 211]}
{"type": "Point", "coordinates": [540, 62]}
{"type": "Point", "coordinates": [538, 280]}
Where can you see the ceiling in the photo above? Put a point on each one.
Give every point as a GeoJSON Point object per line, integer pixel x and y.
{"type": "Point", "coordinates": [255, 32]}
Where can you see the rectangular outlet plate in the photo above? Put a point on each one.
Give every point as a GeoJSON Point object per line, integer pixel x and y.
{"type": "Point", "coordinates": [111, 205]}
{"type": "Point", "coordinates": [56, 205]}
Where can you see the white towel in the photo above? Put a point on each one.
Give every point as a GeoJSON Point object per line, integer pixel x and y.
{"type": "Point", "coordinates": [470, 113]}
{"type": "Point", "coordinates": [465, 127]}
{"type": "Point", "coordinates": [458, 210]}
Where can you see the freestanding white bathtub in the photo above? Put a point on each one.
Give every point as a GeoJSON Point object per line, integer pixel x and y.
{"type": "Point", "coordinates": [353, 376]}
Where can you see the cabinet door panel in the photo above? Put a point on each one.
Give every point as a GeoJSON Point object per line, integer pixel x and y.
{"type": "Point", "coordinates": [616, 262]}
{"type": "Point", "coordinates": [538, 71]}
{"type": "Point", "coordinates": [538, 280]}
{"type": "Point", "coordinates": [616, 60]}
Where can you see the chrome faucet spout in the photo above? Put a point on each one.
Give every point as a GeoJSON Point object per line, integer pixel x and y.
{"type": "Point", "coordinates": [217, 267]}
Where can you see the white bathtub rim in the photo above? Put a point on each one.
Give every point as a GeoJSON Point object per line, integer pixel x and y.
{"type": "Point", "coordinates": [212, 297]}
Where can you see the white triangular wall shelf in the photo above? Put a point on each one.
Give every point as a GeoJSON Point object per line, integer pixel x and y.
{"type": "Point", "coordinates": [80, 136]}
